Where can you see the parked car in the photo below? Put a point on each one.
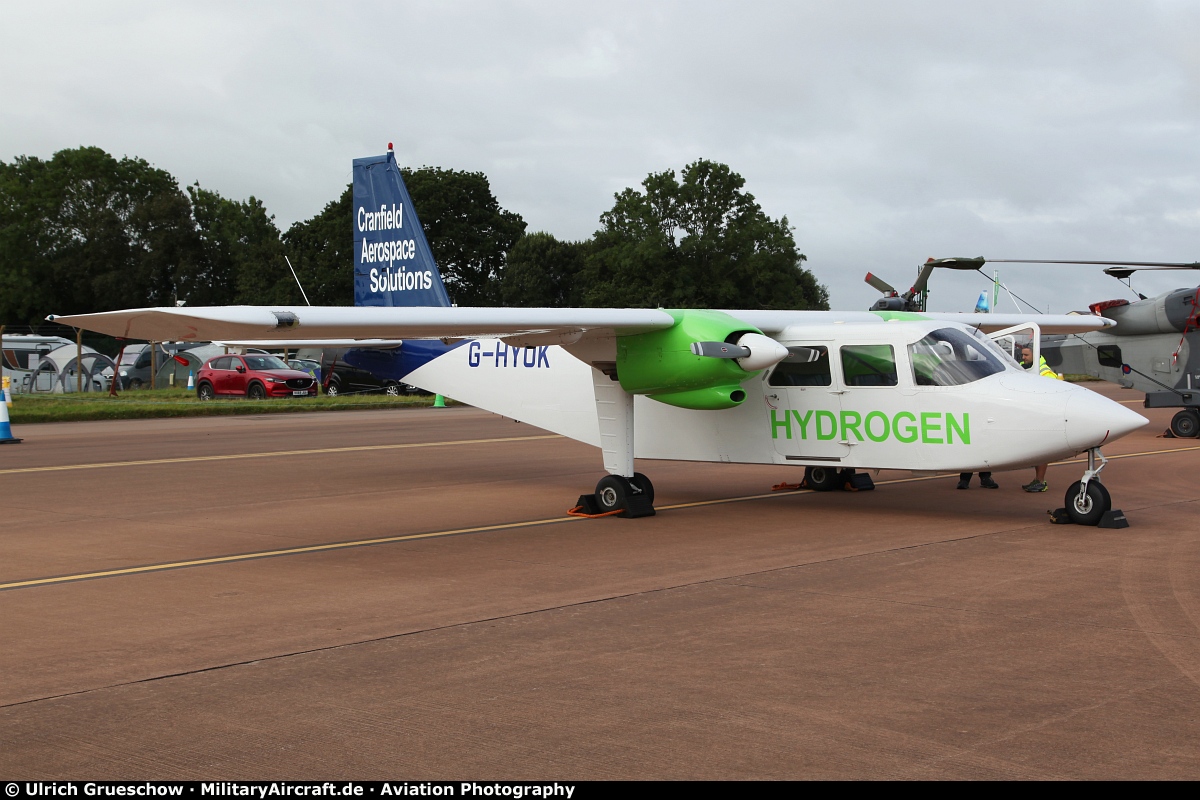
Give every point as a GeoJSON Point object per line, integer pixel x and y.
{"type": "Point", "coordinates": [308, 365]}
{"type": "Point", "coordinates": [256, 377]}
{"type": "Point", "coordinates": [359, 371]}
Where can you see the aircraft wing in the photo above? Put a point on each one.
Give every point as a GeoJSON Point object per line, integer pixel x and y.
{"type": "Point", "coordinates": [774, 322]}
{"type": "Point", "coordinates": [1049, 323]}
{"type": "Point", "coordinates": [306, 324]}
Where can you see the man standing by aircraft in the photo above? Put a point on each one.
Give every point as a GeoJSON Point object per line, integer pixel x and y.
{"type": "Point", "coordinates": [1038, 484]}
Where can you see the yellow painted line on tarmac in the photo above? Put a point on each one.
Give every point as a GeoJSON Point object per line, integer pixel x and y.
{"type": "Point", "coordinates": [290, 551]}
{"type": "Point", "coordinates": [320, 548]}
{"type": "Point", "coordinates": [273, 454]}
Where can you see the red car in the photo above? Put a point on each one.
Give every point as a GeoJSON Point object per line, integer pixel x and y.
{"type": "Point", "coordinates": [253, 376]}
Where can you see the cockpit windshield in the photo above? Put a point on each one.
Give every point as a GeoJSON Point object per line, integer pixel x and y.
{"type": "Point", "coordinates": [952, 357]}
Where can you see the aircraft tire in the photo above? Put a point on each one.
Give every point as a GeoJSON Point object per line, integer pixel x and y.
{"type": "Point", "coordinates": [1186, 424]}
{"type": "Point", "coordinates": [640, 481]}
{"type": "Point", "coordinates": [612, 492]}
{"type": "Point", "coordinates": [823, 479]}
{"type": "Point", "coordinates": [1091, 508]}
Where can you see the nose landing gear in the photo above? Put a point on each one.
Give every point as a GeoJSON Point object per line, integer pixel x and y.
{"type": "Point", "coordinates": [1087, 501]}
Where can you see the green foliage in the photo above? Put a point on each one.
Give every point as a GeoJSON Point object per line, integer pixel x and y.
{"type": "Point", "coordinates": [322, 251]}
{"type": "Point", "coordinates": [241, 255]}
{"type": "Point", "coordinates": [699, 242]}
{"type": "Point", "coordinates": [85, 232]}
{"type": "Point", "coordinates": [468, 232]}
{"type": "Point", "coordinates": [543, 272]}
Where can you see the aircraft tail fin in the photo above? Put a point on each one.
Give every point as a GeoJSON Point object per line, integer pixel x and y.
{"type": "Point", "coordinates": [393, 265]}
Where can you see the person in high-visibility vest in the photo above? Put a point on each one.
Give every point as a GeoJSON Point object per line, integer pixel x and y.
{"type": "Point", "coordinates": [1038, 484]}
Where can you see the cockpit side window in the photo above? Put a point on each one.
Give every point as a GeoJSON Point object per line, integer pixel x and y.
{"type": "Point", "coordinates": [869, 365]}
{"type": "Point", "coordinates": [951, 357]}
{"type": "Point", "coordinates": [805, 366]}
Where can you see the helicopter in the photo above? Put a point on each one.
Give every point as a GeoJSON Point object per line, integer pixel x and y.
{"type": "Point", "coordinates": [1153, 348]}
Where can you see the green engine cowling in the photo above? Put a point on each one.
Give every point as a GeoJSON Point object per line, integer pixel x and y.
{"type": "Point", "coordinates": [661, 365]}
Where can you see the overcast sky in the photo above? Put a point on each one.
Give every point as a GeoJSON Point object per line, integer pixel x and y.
{"type": "Point", "coordinates": [887, 132]}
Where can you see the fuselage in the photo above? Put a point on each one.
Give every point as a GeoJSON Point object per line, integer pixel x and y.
{"type": "Point", "coordinates": [897, 395]}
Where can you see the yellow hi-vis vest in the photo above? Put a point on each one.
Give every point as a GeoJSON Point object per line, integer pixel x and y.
{"type": "Point", "coordinates": [1044, 369]}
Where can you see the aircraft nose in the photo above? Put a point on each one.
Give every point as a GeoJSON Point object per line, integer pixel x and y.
{"type": "Point", "coordinates": [1092, 419]}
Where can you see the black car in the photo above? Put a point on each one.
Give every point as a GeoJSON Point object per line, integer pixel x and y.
{"type": "Point", "coordinates": [362, 375]}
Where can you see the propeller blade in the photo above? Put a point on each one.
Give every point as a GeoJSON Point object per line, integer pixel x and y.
{"type": "Point", "coordinates": [719, 350]}
{"type": "Point", "coordinates": [880, 284]}
{"type": "Point", "coordinates": [803, 355]}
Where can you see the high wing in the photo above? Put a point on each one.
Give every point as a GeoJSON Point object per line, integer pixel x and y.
{"type": "Point", "coordinates": [296, 323]}
{"type": "Point", "coordinates": [524, 326]}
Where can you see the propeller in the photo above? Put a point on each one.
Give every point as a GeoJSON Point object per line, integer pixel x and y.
{"type": "Point", "coordinates": [753, 351]}
{"type": "Point", "coordinates": [719, 350]}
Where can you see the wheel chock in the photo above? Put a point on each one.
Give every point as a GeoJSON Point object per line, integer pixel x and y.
{"type": "Point", "coordinates": [1059, 516]}
{"type": "Point", "coordinates": [860, 482]}
{"type": "Point", "coordinates": [1114, 518]}
{"type": "Point", "coordinates": [587, 504]}
{"type": "Point", "coordinates": [637, 506]}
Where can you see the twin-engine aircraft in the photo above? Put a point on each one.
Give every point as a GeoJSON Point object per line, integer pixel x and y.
{"type": "Point", "coordinates": [829, 391]}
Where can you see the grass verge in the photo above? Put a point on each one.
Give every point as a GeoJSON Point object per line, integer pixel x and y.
{"type": "Point", "coordinates": [154, 403]}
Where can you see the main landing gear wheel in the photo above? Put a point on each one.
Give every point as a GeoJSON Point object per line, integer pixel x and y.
{"type": "Point", "coordinates": [1087, 508]}
{"type": "Point", "coordinates": [822, 479]}
{"type": "Point", "coordinates": [1186, 424]}
{"type": "Point", "coordinates": [612, 493]}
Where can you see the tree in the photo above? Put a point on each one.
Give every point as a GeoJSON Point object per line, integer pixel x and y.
{"type": "Point", "coordinates": [242, 254]}
{"type": "Point", "coordinates": [85, 232]}
{"type": "Point", "coordinates": [322, 251]}
{"type": "Point", "coordinates": [543, 272]}
{"type": "Point", "coordinates": [698, 242]}
{"type": "Point", "coordinates": [468, 232]}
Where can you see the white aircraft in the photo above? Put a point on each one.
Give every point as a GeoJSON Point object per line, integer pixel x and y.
{"type": "Point", "coordinates": [833, 392]}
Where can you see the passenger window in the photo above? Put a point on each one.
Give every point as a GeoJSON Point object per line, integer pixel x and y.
{"type": "Point", "coordinates": [220, 363]}
{"type": "Point", "coordinates": [234, 363]}
{"type": "Point", "coordinates": [869, 365]}
{"type": "Point", "coordinates": [804, 366]}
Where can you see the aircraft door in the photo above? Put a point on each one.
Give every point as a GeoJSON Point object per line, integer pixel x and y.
{"type": "Point", "coordinates": [869, 415]}
{"type": "Point", "coordinates": [804, 405]}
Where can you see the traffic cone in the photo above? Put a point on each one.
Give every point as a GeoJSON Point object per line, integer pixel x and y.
{"type": "Point", "coordinates": [439, 401]}
{"type": "Point", "coordinates": [6, 436]}
{"type": "Point", "coordinates": [191, 380]}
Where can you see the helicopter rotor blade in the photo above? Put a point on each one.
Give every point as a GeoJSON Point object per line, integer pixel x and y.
{"type": "Point", "coordinates": [880, 284]}
{"type": "Point", "coordinates": [922, 279]}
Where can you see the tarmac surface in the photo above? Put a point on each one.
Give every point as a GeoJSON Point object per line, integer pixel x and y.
{"type": "Point", "coordinates": [399, 595]}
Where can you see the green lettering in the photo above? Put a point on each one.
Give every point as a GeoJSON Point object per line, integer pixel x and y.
{"type": "Point", "coordinates": [929, 424]}
{"type": "Point", "coordinates": [887, 426]}
{"type": "Point", "coordinates": [776, 424]}
{"type": "Point", "coordinates": [848, 426]}
{"type": "Point", "coordinates": [832, 425]}
{"type": "Point", "coordinates": [909, 434]}
{"type": "Point", "coordinates": [803, 422]}
{"type": "Point", "coordinates": [952, 427]}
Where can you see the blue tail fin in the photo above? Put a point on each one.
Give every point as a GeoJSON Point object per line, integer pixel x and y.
{"type": "Point", "coordinates": [393, 265]}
